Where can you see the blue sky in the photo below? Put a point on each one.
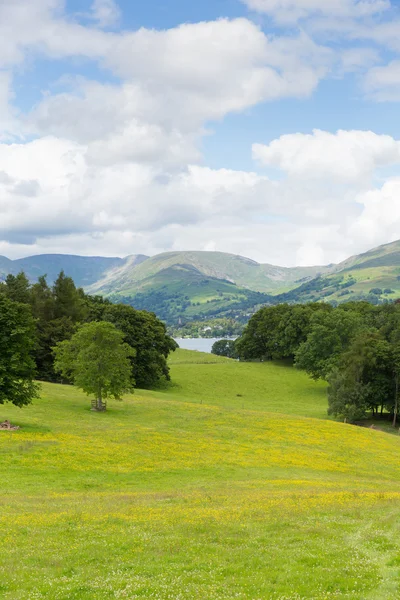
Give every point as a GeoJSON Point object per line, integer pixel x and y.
{"type": "Point", "coordinates": [267, 128]}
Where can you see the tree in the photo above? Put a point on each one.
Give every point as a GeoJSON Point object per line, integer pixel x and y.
{"type": "Point", "coordinates": [262, 338]}
{"type": "Point", "coordinates": [17, 342]}
{"type": "Point", "coordinates": [224, 348]}
{"type": "Point", "coordinates": [145, 333]}
{"type": "Point", "coordinates": [396, 373]}
{"type": "Point", "coordinates": [97, 360]}
{"type": "Point", "coordinates": [363, 378]}
{"type": "Point", "coordinates": [18, 288]}
{"type": "Point", "coordinates": [68, 300]}
{"type": "Point", "coordinates": [331, 334]}
{"type": "Point", "coordinates": [58, 311]}
{"type": "Point", "coordinates": [347, 398]}
{"type": "Point", "coordinates": [276, 332]}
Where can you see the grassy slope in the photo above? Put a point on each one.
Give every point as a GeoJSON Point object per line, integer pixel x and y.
{"type": "Point", "coordinates": [378, 268]}
{"type": "Point", "coordinates": [162, 498]}
{"type": "Point", "coordinates": [242, 271]}
{"type": "Point", "coordinates": [253, 386]}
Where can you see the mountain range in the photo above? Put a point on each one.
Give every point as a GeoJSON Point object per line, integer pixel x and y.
{"type": "Point", "coordinates": [197, 285]}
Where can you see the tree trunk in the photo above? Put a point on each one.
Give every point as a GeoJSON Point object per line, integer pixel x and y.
{"type": "Point", "coordinates": [396, 401]}
{"type": "Point", "coordinates": [100, 405]}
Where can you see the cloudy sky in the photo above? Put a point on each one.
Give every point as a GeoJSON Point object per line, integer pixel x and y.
{"type": "Point", "coordinates": [266, 128]}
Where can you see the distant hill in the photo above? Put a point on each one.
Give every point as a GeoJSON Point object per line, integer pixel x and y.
{"type": "Point", "coordinates": [372, 276]}
{"type": "Point", "coordinates": [198, 285]}
{"type": "Point", "coordinates": [186, 286]}
{"type": "Point", "coordinates": [85, 270]}
{"type": "Point", "coordinates": [241, 271]}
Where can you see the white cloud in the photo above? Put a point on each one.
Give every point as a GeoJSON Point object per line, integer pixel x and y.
{"type": "Point", "coordinates": [347, 156]}
{"type": "Point", "coordinates": [383, 83]}
{"type": "Point", "coordinates": [117, 168]}
{"type": "Point", "coordinates": [358, 59]}
{"type": "Point", "coordinates": [177, 81]}
{"type": "Point", "coordinates": [106, 13]}
{"type": "Point", "coordinates": [289, 11]}
{"type": "Point", "coordinates": [380, 219]}
{"type": "Point", "coordinates": [55, 198]}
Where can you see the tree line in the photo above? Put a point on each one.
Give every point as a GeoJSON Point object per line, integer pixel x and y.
{"type": "Point", "coordinates": [355, 347]}
{"type": "Point", "coordinates": [35, 318]}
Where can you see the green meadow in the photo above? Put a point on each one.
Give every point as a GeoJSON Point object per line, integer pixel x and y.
{"type": "Point", "coordinates": [231, 483]}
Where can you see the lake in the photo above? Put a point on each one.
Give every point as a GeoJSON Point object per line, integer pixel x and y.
{"type": "Point", "coordinates": [200, 344]}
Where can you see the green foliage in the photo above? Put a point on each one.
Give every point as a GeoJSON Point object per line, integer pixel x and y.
{"type": "Point", "coordinates": [330, 334]}
{"type": "Point", "coordinates": [60, 309]}
{"type": "Point", "coordinates": [224, 348]}
{"type": "Point", "coordinates": [97, 360]}
{"type": "Point", "coordinates": [17, 341]}
{"type": "Point", "coordinates": [57, 310]}
{"type": "Point", "coordinates": [277, 332]}
{"type": "Point", "coordinates": [147, 335]}
{"type": "Point", "coordinates": [355, 346]}
{"type": "Point", "coordinates": [17, 288]}
{"type": "Point", "coordinates": [68, 300]}
{"type": "Point", "coordinates": [363, 378]}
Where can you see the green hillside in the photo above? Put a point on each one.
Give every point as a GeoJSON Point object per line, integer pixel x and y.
{"type": "Point", "coordinates": [183, 494]}
{"type": "Point", "coordinates": [193, 286]}
{"type": "Point", "coordinates": [217, 265]}
{"type": "Point", "coordinates": [85, 270]}
{"type": "Point", "coordinates": [372, 276]}
{"type": "Point", "coordinates": [196, 285]}
{"type": "Point", "coordinates": [184, 292]}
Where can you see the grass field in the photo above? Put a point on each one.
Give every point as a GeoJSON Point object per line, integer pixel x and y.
{"type": "Point", "coordinates": [183, 494]}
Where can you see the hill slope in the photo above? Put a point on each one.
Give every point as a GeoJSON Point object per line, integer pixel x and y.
{"type": "Point", "coordinates": [374, 276]}
{"type": "Point", "coordinates": [165, 497]}
{"type": "Point", "coordinates": [235, 269]}
{"type": "Point", "coordinates": [85, 270]}
{"type": "Point", "coordinates": [193, 286]}
{"type": "Point", "coordinates": [198, 285]}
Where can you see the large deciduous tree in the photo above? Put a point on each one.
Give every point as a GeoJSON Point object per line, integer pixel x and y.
{"type": "Point", "coordinates": [224, 348]}
{"type": "Point", "coordinates": [17, 342]}
{"type": "Point", "coordinates": [363, 378]}
{"type": "Point", "coordinates": [97, 360]}
{"type": "Point", "coordinates": [145, 333]}
{"type": "Point", "coordinates": [330, 335]}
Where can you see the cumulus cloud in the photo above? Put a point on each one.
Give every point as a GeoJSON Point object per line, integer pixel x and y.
{"type": "Point", "coordinates": [380, 217]}
{"type": "Point", "coordinates": [117, 168]}
{"type": "Point", "coordinates": [54, 197]}
{"type": "Point", "coordinates": [289, 11]}
{"type": "Point", "coordinates": [347, 156]}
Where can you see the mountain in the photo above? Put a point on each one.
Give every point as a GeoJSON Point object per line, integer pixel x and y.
{"type": "Point", "coordinates": [238, 270]}
{"type": "Point", "coordinates": [199, 285]}
{"type": "Point", "coordinates": [85, 270]}
{"type": "Point", "coordinates": [189, 286]}
{"type": "Point", "coordinates": [372, 276]}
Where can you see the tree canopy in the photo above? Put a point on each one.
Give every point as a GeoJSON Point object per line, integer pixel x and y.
{"type": "Point", "coordinates": [355, 347]}
{"type": "Point", "coordinates": [17, 343]}
{"type": "Point", "coordinates": [224, 348]}
{"type": "Point", "coordinates": [58, 311]}
{"type": "Point", "coordinates": [97, 360]}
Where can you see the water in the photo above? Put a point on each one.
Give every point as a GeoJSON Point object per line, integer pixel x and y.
{"type": "Point", "coordinates": [200, 344]}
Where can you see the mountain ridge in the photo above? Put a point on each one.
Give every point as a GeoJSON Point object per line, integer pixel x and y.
{"type": "Point", "coordinates": [203, 284]}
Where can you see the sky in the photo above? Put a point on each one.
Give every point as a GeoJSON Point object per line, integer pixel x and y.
{"type": "Point", "coordinates": [265, 128]}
